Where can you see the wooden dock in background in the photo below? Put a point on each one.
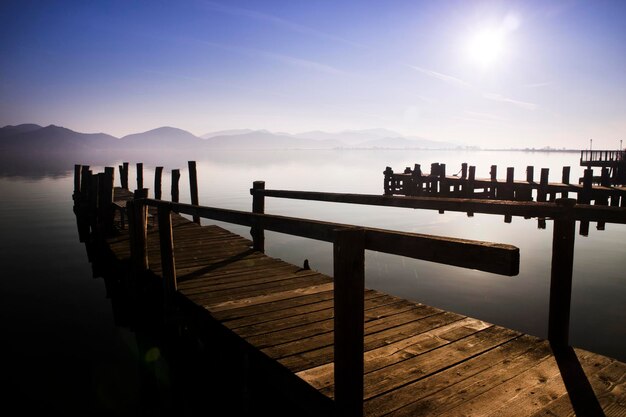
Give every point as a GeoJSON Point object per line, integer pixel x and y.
{"type": "Point", "coordinates": [337, 347]}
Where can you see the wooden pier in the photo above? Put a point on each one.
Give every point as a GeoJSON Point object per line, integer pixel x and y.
{"type": "Point", "coordinates": [335, 347]}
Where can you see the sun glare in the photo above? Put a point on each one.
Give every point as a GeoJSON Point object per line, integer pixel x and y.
{"type": "Point", "coordinates": [486, 47]}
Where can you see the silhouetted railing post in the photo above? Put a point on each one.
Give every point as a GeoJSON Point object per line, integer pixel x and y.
{"type": "Point", "coordinates": [349, 283]}
{"type": "Point", "coordinates": [542, 192]}
{"type": "Point", "coordinates": [158, 173]}
{"type": "Point", "coordinates": [77, 172]}
{"type": "Point", "coordinates": [561, 276]}
{"type": "Point", "coordinates": [138, 233]}
{"type": "Point", "coordinates": [139, 175]}
{"type": "Point", "coordinates": [124, 176]}
{"type": "Point", "coordinates": [193, 187]}
{"type": "Point", "coordinates": [166, 243]}
{"type": "Point", "coordinates": [85, 185]}
{"type": "Point", "coordinates": [388, 173]}
{"type": "Point", "coordinates": [258, 206]}
{"type": "Point", "coordinates": [175, 179]}
{"type": "Point", "coordinates": [493, 174]}
{"type": "Point", "coordinates": [106, 199]}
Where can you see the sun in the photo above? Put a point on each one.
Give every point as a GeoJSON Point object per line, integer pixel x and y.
{"type": "Point", "coordinates": [486, 47]}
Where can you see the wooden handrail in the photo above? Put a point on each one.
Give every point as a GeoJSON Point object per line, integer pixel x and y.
{"type": "Point", "coordinates": [485, 256]}
{"type": "Point", "coordinates": [502, 207]}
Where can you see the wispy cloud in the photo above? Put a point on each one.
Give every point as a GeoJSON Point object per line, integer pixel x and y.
{"type": "Point", "coordinates": [277, 21]}
{"type": "Point", "coordinates": [285, 59]}
{"type": "Point", "coordinates": [443, 77]}
{"type": "Point", "coordinates": [449, 79]}
{"type": "Point", "coordinates": [498, 97]}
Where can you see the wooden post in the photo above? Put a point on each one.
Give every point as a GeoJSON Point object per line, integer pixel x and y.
{"type": "Point", "coordinates": [85, 185]}
{"type": "Point", "coordinates": [106, 199]}
{"type": "Point", "coordinates": [124, 177]}
{"type": "Point", "coordinates": [175, 179]}
{"type": "Point", "coordinates": [493, 173]}
{"type": "Point", "coordinates": [258, 206]}
{"type": "Point", "coordinates": [77, 173]}
{"type": "Point", "coordinates": [468, 188]}
{"type": "Point", "coordinates": [166, 243]}
{"type": "Point", "coordinates": [584, 196]}
{"type": "Point", "coordinates": [565, 180]}
{"type": "Point", "coordinates": [530, 174]}
{"type": "Point", "coordinates": [566, 172]}
{"type": "Point", "coordinates": [509, 192]}
{"type": "Point", "coordinates": [388, 173]}
{"type": "Point", "coordinates": [561, 276]}
{"type": "Point", "coordinates": [416, 178]}
{"type": "Point", "coordinates": [158, 173]}
{"type": "Point", "coordinates": [139, 175]}
{"type": "Point", "coordinates": [444, 188]}
{"type": "Point", "coordinates": [349, 283]}
{"type": "Point", "coordinates": [543, 184]}
{"type": "Point", "coordinates": [93, 196]}
{"type": "Point", "coordinates": [464, 170]}
{"type": "Point", "coordinates": [137, 219]}
{"type": "Point", "coordinates": [193, 187]}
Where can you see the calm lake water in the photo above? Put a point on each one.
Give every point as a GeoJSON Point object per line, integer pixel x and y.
{"type": "Point", "coordinates": [67, 354]}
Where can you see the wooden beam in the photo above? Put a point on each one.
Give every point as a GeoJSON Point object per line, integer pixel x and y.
{"type": "Point", "coordinates": [485, 256]}
{"type": "Point", "coordinates": [349, 287]}
{"type": "Point", "coordinates": [485, 206]}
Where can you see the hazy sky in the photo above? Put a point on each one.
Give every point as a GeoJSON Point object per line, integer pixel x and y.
{"type": "Point", "coordinates": [486, 73]}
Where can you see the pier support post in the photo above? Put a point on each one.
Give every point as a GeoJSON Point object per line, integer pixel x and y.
{"type": "Point", "coordinates": [106, 199]}
{"type": "Point", "coordinates": [175, 179]}
{"type": "Point", "coordinates": [493, 174]}
{"type": "Point", "coordinates": [561, 276]}
{"type": "Point", "coordinates": [124, 176]}
{"type": "Point", "coordinates": [258, 206]}
{"type": "Point", "coordinates": [77, 169]}
{"type": "Point", "coordinates": [193, 187]}
{"type": "Point", "coordinates": [542, 192]}
{"type": "Point", "coordinates": [166, 243]}
{"type": "Point", "coordinates": [158, 173]}
{"type": "Point", "coordinates": [349, 272]}
{"type": "Point", "coordinates": [139, 175]}
{"type": "Point", "coordinates": [388, 173]}
{"type": "Point", "coordinates": [138, 234]}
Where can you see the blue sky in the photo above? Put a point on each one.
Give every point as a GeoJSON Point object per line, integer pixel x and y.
{"type": "Point", "coordinates": [484, 73]}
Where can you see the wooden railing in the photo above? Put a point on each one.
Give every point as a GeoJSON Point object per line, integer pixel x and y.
{"type": "Point", "coordinates": [349, 245]}
{"type": "Point", "coordinates": [565, 212]}
{"type": "Point", "coordinates": [601, 156]}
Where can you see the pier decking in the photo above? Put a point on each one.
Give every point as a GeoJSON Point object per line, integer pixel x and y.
{"type": "Point", "coordinates": [417, 359]}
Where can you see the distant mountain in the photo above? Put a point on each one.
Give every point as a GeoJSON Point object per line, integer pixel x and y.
{"type": "Point", "coordinates": [229, 132]}
{"type": "Point", "coordinates": [349, 137]}
{"type": "Point", "coordinates": [33, 138]}
{"type": "Point", "coordinates": [262, 139]}
{"type": "Point", "coordinates": [160, 138]}
{"type": "Point", "coordinates": [8, 131]}
{"type": "Point", "coordinates": [405, 143]}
